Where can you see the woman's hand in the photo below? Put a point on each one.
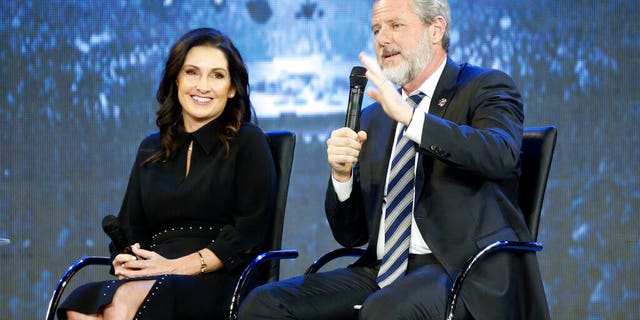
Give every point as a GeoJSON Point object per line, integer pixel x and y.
{"type": "Point", "coordinates": [144, 263]}
{"type": "Point", "coordinates": [120, 265]}
{"type": "Point", "coordinates": [149, 263]}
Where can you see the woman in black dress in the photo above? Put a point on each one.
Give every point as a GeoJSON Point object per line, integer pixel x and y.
{"type": "Point", "coordinates": [199, 198]}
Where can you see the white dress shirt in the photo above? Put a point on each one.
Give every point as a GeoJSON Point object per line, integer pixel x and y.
{"type": "Point", "coordinates": [414, 132]}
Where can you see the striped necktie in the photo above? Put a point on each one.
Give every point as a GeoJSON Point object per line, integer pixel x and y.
{"type": "Point", "coordinates": [397, 220]}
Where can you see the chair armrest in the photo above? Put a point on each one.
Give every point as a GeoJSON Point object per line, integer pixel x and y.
{"type": "Point", "coordinates": [493, 247]}
{"type": "Point", "coordinates": [337, 253]}
{"type": "Point", "coordinates": [66, 277]}
{"type": "Point", "coordinates": [238, 292]}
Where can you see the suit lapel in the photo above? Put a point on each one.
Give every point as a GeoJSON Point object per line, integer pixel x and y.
{"type": "Point", "coordinates": [445, 89]}
{"type": "Point", "coordinates": [442, 96]}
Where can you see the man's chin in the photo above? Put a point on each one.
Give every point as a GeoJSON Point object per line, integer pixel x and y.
{"type": "Point", "coordinates": [396, 75]}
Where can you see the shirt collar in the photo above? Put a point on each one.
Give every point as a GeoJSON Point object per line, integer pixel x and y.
{"type": "Point", "coordinates": [429, 86]}
{"type": "Point", "coordinates": [206, 136]}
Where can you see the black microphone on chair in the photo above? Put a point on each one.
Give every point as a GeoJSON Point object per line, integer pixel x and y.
{"type": "Point", "coordinates": [357, 82]}
{"type": "Point", "coordinates": [111, 227]}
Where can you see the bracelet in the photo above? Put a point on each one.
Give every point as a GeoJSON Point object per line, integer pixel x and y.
{"type": "Point", "coordinates": [203, 266]}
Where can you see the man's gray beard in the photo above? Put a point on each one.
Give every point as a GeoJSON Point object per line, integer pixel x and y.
{"type": "Point", "coordinates": [398, 75]}
{"type": "Point", "coordinates": [415, 62]}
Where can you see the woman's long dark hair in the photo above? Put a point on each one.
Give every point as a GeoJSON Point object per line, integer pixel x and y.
{"type": "Point", "coordinates": [169, 116]}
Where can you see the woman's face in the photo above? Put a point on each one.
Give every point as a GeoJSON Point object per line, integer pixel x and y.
{"type": "Point", "coordinates": [204, 85]}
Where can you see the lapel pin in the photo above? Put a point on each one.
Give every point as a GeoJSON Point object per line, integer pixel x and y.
{"type": "Point", "coordinates": [442, 102]}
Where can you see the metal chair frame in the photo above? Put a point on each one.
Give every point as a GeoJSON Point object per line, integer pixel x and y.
{"type": "Point", "coordinates": [282, 144]}
{"type": "Point", "coordinates": [538, 146]}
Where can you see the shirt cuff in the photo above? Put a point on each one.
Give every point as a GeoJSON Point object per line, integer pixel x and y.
{"type": "Point", "coordinates": [414, 130]}
{"type": "Point", "coordinates": [343, 189]}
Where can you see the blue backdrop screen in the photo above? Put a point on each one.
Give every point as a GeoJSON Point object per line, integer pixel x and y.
{"type": "Point", "coordinates": [77, 96]}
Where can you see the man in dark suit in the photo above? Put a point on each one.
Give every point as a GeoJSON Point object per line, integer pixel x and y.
{"type": "Point", "coordinates": [456, 192]}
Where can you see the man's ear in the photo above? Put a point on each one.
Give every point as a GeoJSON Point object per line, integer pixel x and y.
{"type": "Point", "coordinates": [438, 27]}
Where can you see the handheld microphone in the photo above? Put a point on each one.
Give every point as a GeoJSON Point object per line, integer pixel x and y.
{"type": "Point", "coordinates": [357, 82]}
{"type": "Point", "coordinates": [111, 227]}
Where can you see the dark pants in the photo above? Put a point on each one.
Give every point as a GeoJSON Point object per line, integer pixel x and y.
{"type": "Point", "coordinates": [421, 294]}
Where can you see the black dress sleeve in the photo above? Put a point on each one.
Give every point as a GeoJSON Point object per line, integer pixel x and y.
{"type": "Point", "coordinates": [131, 216]}
{"type": "Point", "coordinates": [254, 198]}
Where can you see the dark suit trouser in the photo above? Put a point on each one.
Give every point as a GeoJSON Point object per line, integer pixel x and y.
{"type": "Point", "coordinates": [421, 294]}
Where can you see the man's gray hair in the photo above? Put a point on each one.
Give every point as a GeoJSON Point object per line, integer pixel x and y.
{"type": "Point", "coordinates": [429, 9]}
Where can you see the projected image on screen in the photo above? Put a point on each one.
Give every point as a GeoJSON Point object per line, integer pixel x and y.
{"type": "Point", "coordinates": [78, 94]}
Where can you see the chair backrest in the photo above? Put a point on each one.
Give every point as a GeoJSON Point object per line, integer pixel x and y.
{"type": "Point", "coordinates": [538, 144]}
{"type": "Point", "coordinates": [282, 144]}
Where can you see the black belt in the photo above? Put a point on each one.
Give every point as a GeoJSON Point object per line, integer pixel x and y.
{"type": "Point", "coordinates": [202, 231]}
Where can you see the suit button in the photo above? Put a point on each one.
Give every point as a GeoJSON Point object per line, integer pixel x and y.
{"type": "Point", "coordinates": [433, 148]}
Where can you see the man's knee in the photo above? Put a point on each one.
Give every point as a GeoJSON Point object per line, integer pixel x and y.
{"type": "Point", "coordinates": [260, 303]}
{"type": "Point", "coordinates": [396, 305]}
{"type": "Point", "coordinates": [380, 306]}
